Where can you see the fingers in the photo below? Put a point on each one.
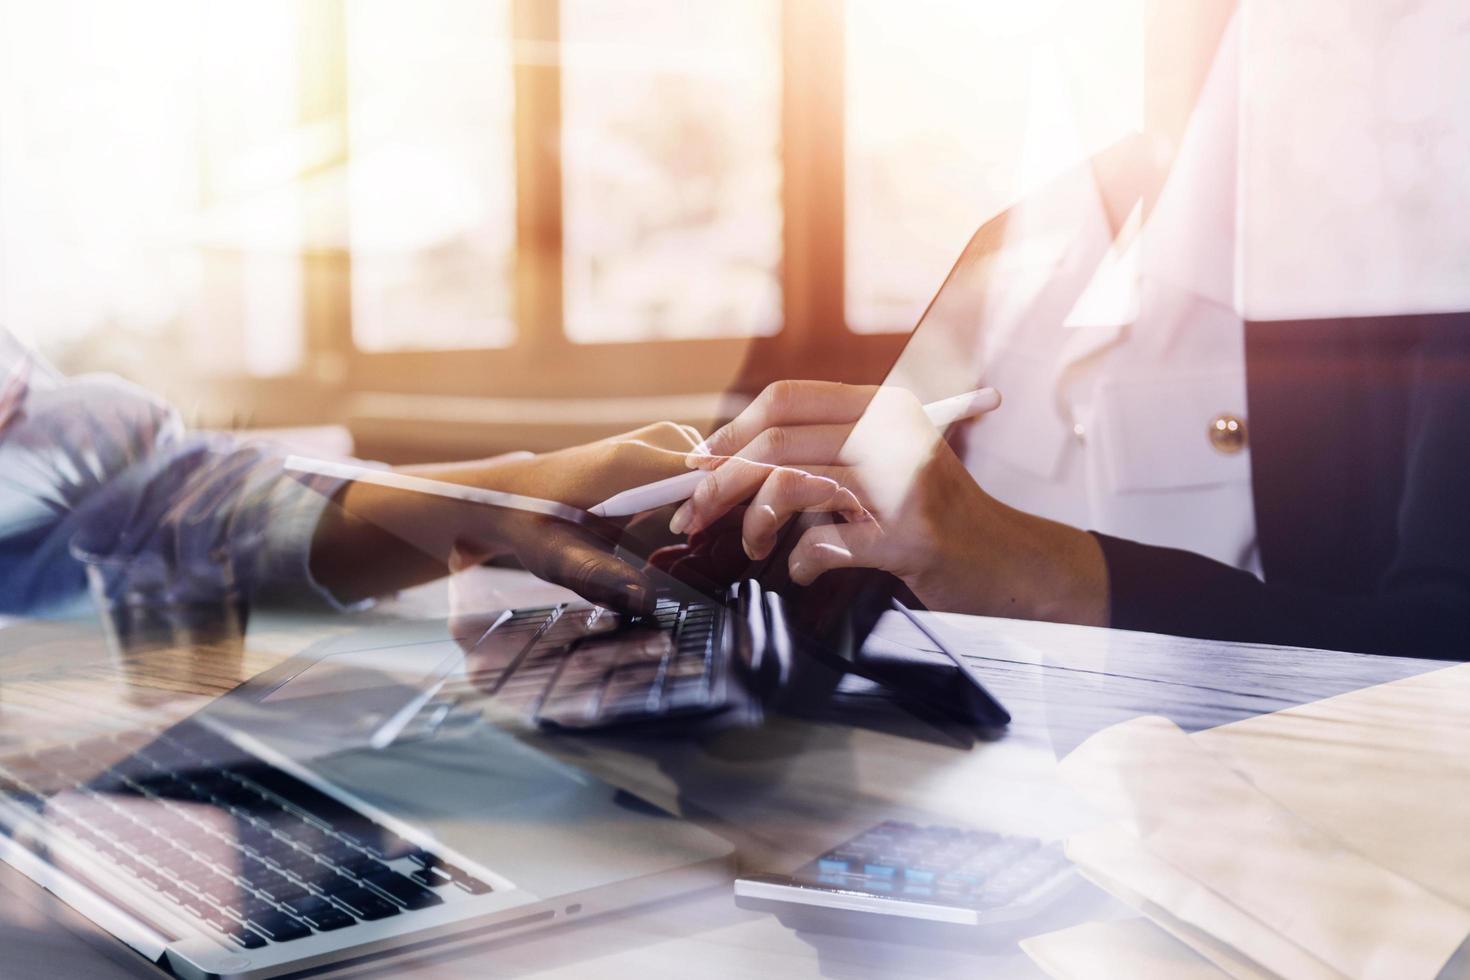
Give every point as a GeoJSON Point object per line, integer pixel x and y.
{"type": "Point", "coordinates": [783, 445]}
{"type": "Point", "coordinates": [733, 482]}
{"type": "Point", "coordinates": [787, 403]}
{"type": "Point", "coordinates": [569, 557]}
{"type": "Point", "coordinates": [828, 546]}
{"type": "Point", "coordinates": [786, 493]}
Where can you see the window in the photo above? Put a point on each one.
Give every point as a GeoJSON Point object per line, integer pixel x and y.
{"type": "Point", "coordinates": [671, 169]}
{"type": "Point", "coordinates": [495, 197]}
{"type": "Point", "coordinates": [430, 174]}
{"type": "Point", "coordinates": [148, 195]}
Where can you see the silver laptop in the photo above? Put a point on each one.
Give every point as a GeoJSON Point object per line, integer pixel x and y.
{"type": "Point", "coordinates": [251, 841]}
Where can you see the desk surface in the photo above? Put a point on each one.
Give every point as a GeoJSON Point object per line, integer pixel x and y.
{"type": "Point", "coordinates": [782, 793]}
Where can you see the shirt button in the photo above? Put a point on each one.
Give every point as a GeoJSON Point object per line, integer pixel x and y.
{"type": "Point", "coordinates": [1079, 432]}
{"type": "Point", "coordinates": [1227, 433]}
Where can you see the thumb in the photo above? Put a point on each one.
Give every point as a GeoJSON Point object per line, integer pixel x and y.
{"type": "Point", "coordinates": [828, 546]}
{"type": "Point", "coordinates": [463, 555]}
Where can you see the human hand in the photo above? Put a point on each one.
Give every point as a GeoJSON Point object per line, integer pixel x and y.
{"type": "Point", "coordinates": [898, 498]}
{"type": "Point", "coordinates": [586, 475]}
{"type": "Point", "coordinates": [865, 454]}
{"type": "Point", "coordinates": [376, 540]}
{"type": "Point", "coordinates": [583, 476]}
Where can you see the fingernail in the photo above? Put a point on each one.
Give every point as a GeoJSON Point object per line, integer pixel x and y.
{"type": "Point", "coordinates": [749, 551]}
{"type": "Point", "coordinates": [639, 599]}
{"type": "Point", "coordinates": [796, 570]}
{"type": "Point", "coordinates": [680, 520]}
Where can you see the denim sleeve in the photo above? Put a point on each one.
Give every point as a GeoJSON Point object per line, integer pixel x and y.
{"type": "Point", "coordinates": [95, 466]}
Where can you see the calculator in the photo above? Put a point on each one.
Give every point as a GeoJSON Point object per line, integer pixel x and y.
{"type": "Point", "coordinates": [916, 880]}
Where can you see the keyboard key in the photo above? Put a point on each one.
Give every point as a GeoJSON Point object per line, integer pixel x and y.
{"type": "Point", "coordinates": [363, 903]}
{"type": "Point", "coordinates": [320, 914]}
{"type": "Point", "coordinates": [250, 907]}
{"type": "Point", "coordinates": [431, 877]}
{"type": "Point", "coordinates": [218, 888]}
{"type": "Point", "coordinates": [381, 843]}
{"type": "Point", "coordinates": [300, 864]}
{"type": "Point", "coordinates": [171, 889]}
{"type": "Point", "coordinates": [409, 894]}
{"type": "Point", "coordinates": [279, 927]}
{"type": "Point", "coordinates": [472, 885]}
{"type": "Point", "coordinates": [278, 888]}
{"type": "Point", "coordinates": [219, 920]}
{"type": "Point", "coordinates": [151, 879]}
{"type": "Point", "coordinates": [336, 851]}
{"type": "Point", "coordinates": [192, 903]}
{"type": "Point", "coordinates": [246, 938]}
{"type": "Point", "coordinates": [424, 858]}
{"type": "Point", "coordinates": [362, 866]}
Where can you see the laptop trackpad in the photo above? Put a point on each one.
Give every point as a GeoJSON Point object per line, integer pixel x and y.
{"type": "Point", "coordinates": [348, 699]}
{"type": "Point", "coordinates": [551, 829]}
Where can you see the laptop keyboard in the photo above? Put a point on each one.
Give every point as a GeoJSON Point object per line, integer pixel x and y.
{"type": "Point", "coordinates": [575, 665]}
{"type": "Point", "coordinates": [245, 848]}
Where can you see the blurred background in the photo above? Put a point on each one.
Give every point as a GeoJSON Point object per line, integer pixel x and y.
{"type": "Point", "coordinates": [457, 227]}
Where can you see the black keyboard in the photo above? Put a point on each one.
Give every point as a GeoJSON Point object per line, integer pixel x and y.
{"type": "Point", "coordinates": [575, 665]}
{"type": "Point", "coordinates": [243, 847]}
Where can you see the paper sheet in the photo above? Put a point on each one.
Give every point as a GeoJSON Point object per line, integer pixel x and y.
{"type": "Point", "coordinates": [1268, 864]}
{"type": "Point", "coordinates": [1132, 949]}
{"type": "Point", "coordinates": [1117, 862]}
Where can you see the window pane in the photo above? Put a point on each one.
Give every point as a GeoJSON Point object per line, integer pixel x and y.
{"type": "Point", "coordinates": [671, 168]}
{"type": "Point", "coordinates": [431, 188]}
{"type": "Point", "coordinates": [149, 198]}
{"type": "Point", "coordinates": [954, 107]}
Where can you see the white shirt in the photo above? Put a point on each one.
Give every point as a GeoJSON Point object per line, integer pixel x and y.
{"type": "Point", "coordinates": [1110, 398]}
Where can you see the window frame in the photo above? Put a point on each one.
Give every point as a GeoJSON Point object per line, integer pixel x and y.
{"type": "Point", "coordinates": [814, 340]}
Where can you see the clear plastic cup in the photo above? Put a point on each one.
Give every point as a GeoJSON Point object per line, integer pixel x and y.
{"type": "Point", "coordinates": [147, 602]}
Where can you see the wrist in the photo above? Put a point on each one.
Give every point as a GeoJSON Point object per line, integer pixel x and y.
{"type": "Point", "coordinates": [999, 561]}
{"type": "Point", "coordinates": [1056, 572]}
{"type": "Point", "coordinates": [519, 473]}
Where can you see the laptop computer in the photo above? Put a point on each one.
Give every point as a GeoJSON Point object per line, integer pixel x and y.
{"type": "Point", "coordinates": [244, 842]}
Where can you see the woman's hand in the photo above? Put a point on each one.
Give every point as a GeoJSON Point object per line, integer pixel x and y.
{"type": "Point", "coordinates": [586, 475]}
{"type": "Point", "coordinates": [902, 500]}
{"type": "Point", "coordinates": [376, 540]}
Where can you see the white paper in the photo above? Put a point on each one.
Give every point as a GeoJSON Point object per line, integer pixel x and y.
{"type": "Point", "coordinates": [1132, 949]}
{"type": "Point", "coordinates": [1218, 831]}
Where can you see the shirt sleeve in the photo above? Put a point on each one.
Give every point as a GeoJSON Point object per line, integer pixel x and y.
{"type": "Point", "coordinates": [1166, 590]}
{"type": "Point", "coordinates": [98, 469]}
{"type": "Point", "coordinates": [1413, 598]}
{"type": "Point", "coordinates": [219, 514]}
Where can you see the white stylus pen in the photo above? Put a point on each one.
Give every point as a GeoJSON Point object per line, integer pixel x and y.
{"type": "Point", "coordinates": [661, 493]}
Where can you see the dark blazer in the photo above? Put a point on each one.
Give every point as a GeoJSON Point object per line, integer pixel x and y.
{"type": "Point", "coordinates": [1359, 434]}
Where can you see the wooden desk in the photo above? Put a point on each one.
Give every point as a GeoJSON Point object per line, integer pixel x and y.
{"type": "Point", "coordinates": [782, 793]}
